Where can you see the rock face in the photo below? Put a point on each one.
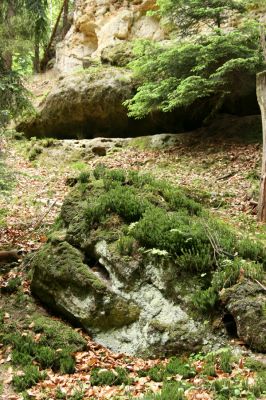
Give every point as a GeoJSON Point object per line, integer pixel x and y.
{"type": "Point", "coordinates": [88, 104]}
{"type": "Point", "coordinates": [102, 24]}
{"type": "Point", "coordinates": [84, 104]}
{"type": "Point", "coordinates": [246, 302]}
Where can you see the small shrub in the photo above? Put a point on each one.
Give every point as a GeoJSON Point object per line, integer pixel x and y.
{"type": "Point", "coordinates": [45, 356]}
{"type": "Point", "coordinates": [57, 335]}
{"type": "Point", "coordinates": [255, 365]}
{"type": "Point", "coordinates": [99, 171]}
{"type": "Point", "coordinates": [225, 360]}
{"type": "Point", "coordinates": [118, 376]}
{"type": "Point", "coordinates": [156, 373]}
{"type": "Point", "coordinates": [173, 391]}
{"type": "Point", "coordinates": [48, 142]}
{"type": "Point", "coordinates": [205, 300]}
{"type": "Point", "coordinates": [66, 363]}
{"type": "Point", "coordinates": [31, 377]}
{"type": "Point", "coordinates": [125, 245]}
{"type": "Point", "coordinates": [252, 250]}
{"type": "Point", "coordinates": [177, 366]}
{"type": "Point", "coordinates": [18, 135]}
{"type": "Point", "coordinates": [19, 358]}
{"type": "Point", "coordinates": [209, 370]}
{"type": "Point", "coordinates": [259, 386]}
{"type": "Point", "coordinates": [117, 175]}
{"type": "Point", "coordinates": [196, 259]}
{"type": "Point", "coordinates": [84, 177]}
{"type": "Point", "coordinates": [34, 152]}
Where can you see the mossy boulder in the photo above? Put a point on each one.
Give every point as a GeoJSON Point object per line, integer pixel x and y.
{"type": "Point", "coordinates": [64, 282]}
{"type": "Point", "coordinates": [246, 302]}
{"type": "Point", "coordinates": [131, 260]}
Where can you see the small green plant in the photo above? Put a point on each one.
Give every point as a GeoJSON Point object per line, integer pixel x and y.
{"type": "Point", "coordinates": [178, 366]}
{"type": "Point", "coordinates": [125, 245]}
{"type": "Point", "coordinates": [34, 152]}
{"type": "Point", "coordinates": [252, 250]}
{"type": "Point", "coordinates": [255, 365]}
{"type": "Point", "coordinates": [225, 360]}
{"type": "Point", "coordinates": [205, 300]}
{"type": "Point", "coordinates": [59, 394]}
{"type": "Point", "coordinates": [156, 373]}
{"type": "Point", "coordinates": [118, 376]}
{"type": "Point", "coordinates": [99, 171]}
{"type": "Point", "coordinates": [12, 285]}
{"type": "Point", "coordinates": [48, 142]}
{"type": "Point", "coordinates": [173, 391]}
{"type": "Point", "coordinates": [84, 177]}
{"type": "Point", "coordinates": [31, 376]}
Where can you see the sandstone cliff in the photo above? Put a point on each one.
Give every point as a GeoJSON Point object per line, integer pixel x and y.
{"type": "Point", "coordinates": [99, 24]}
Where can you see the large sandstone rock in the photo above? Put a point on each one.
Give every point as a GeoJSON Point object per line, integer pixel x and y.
{"type": "Point", "coordinates": [85, 104]}
{"type": "Point", "coordinates": [89, 103]}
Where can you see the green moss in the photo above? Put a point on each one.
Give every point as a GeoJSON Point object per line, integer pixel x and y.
{"type": "Point", "coordinates": [64, 263]}
{"type": "Point", "coordinates": [58, 335]}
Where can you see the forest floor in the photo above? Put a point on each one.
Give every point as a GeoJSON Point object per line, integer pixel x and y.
{"type": "Point", "coordinates": [224, 174]}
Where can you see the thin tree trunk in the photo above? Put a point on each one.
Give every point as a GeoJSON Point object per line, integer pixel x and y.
{"type": "Point", "coordinates": [36, 60]}
{"type": "Point", "coordinates": [46, 53]}
{"type": "Point", "coordinates": [65, 17]}
{"type": "Point", "coordinates": [261, 95]}
{"type": "Point", "coordinates": [8, 56]}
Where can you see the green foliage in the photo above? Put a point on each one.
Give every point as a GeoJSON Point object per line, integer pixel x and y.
{"type": "Point", "coordinates": [58, 335]}
{"type": "Point", "coordinates": [34, 152]}
{"type": "Point", "coordinates": [118, 376]}
{"type": "Point", "coordinates": [13, 96]}
{"type": "Point", "coordinates": [31, 376]}
{"type": "Point", "coordinates": [6, 179]}
{"type": "Point", "coordinates": [185, 14]}
{"type": "Point", "coordinates": [205, 68]}
{"type": "Point", "coordinates": [54, 349]}
{"type": "Point", "coordinates": [182, 73]}
{"type": "Point", "coordinates": [255, 365]}
{"type": "Point", "coordinates": [252, 250]}
{"type": "Point", "coordinates": [125, 245]}
{"type": "Point", "coordinates": [205, 300]}
{"type": "Point", "coordinates": [84, 177]}
{"type": "Point", "coordinates": [12, 285]}
{"type": "Point", "coordinates": [120, 200]}
{"type": "Point", "coordinates": [175, 366]}
{"type": "Point", "coordinates": [226, 275]}
{"type": "Point", "coordinates": [173, 391]}
{"type": "Point", "coordinates": [225, 360]}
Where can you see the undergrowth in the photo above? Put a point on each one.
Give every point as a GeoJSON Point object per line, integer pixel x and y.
{"type": "Point", "coordinates": [53, 347]}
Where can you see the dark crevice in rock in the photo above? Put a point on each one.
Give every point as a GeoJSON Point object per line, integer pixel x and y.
{"type": "Point", "coordinates": [230, 325]}
{"type": "Point", "coordinates": [101, 271]}
{"type": "Point", "coordinates": [97, 267]}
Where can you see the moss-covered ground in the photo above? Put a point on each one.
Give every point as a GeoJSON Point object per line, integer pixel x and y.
{"type": "Point", "coordinates": [41, 356]}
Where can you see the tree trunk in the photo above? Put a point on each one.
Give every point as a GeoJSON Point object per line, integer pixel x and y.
{"type": "Point", "coordinates": [8, 56]}
{"type": "Point", "coordinates": [36, 60]}
{"type": "Point", "coordinates": [261, 95]}
{"type": "Point", "coordinates": [65, 18]}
